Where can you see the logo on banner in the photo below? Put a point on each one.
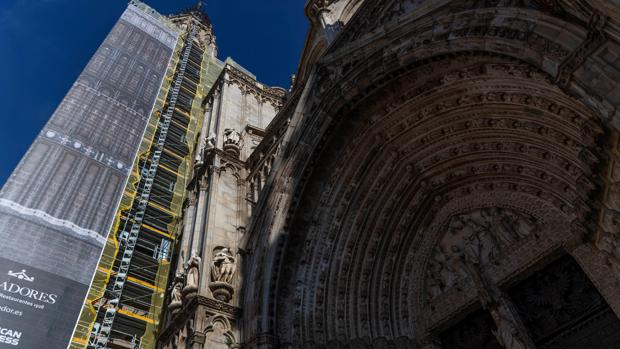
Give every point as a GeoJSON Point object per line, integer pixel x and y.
{"type": "Point", "coordinates": [9, 336]}
{"type": "Point", "coordinates": [27, 291]}
{"type": "Point", "coordinates": [21, 275]}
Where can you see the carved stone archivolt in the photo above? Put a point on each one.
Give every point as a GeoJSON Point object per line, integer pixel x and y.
{"type": "Point", "coordinates": [499, 145]}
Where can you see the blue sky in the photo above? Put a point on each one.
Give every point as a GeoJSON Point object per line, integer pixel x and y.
{"type": "Point", "coordinates": [44, 45]}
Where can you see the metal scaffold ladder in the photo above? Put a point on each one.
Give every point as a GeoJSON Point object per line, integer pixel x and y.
{"type": "Point", "coordinates": [143, 200]}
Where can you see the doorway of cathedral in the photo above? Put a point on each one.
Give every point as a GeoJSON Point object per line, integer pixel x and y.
{"type": "Point", "coordinates": [558, 307]}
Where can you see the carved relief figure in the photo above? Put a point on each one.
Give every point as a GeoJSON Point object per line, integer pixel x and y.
{"type": "Point", "coordinates": [223, 266]}
{"type": "Point", "coordinates": [193, 275]}
{"type": "Point", "coordinates": [175, 293]}
{"type": "Point", "coordinates": [500, 224]}
{"type": "Point", "coordinates": [477, 238]}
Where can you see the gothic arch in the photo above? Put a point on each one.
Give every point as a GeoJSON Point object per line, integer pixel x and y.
{"type": "Point", "coordinates": [219, 330]}
{"type": "Point", "coordinates": [400, 137]}
{"type": "Point", "coordinates": [475, 131]}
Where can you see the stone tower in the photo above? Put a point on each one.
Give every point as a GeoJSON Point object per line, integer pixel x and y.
{"type": "Point", "coordinates": [204, 298]}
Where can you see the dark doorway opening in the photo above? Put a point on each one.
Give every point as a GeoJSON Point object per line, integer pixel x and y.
{"type": "Point", "coordinates": [561, 308]}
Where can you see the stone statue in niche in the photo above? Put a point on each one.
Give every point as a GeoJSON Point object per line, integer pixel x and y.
{"type": "Point", "coordinates": [176, 300]}
{"type": "Point", "coordinates": [610, 245]}
{"type": "Point", "coordinates": [477, 238]}
{"type": "Point", "coordinates": [193, 276]}
{"type": "Point", "coordinates": [231, 137]}
{"type": "Point", "coordinates": [223, 266]}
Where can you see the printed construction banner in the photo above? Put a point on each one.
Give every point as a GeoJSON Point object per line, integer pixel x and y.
{"type": "Point", "coordinates": [57, 207]}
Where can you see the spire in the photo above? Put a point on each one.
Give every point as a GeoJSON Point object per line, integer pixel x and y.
{"type": "Point", "coordinates": [198, 10]}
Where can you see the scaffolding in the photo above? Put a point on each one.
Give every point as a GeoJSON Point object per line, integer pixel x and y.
{"type": "Point", "coordinates": [129, 239]}
{"type": "Point", "coordinates": [125, 301]}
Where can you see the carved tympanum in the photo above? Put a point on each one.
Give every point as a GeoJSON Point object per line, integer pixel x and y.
{"type": "Point", "coordinates": [475, 238]}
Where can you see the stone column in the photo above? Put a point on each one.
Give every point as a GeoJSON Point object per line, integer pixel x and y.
{"type": "Point", "coordinates": [206, 245]}
{"type": "Point", "coordinates": [201, 214]}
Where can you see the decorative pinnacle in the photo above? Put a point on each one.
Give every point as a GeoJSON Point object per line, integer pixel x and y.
{"type": "Point", "coordinates": [200, 5]}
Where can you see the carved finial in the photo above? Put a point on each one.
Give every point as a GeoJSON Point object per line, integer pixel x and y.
{"type": "Point", "coordinates": [200, 5]}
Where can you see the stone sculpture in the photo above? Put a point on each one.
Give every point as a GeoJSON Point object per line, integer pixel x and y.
{"type": "Point", "coordinates": [476, 238]}
{"type": "Point", "coordinates": [223, 266]}
{"type": "Point", "coordinates": [176, 290]}
{"type": "Point", "coordinates": [231, 137]}
{"type": "Point", "coordinates": [193, 276]}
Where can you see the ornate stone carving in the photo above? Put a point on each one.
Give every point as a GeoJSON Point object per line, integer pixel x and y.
{"type": "Point", "coordinates": [478, 237]}
{"type": "Point", "coordinates": [476, 127]}
{"type": "Point", "coordinates": [205, 145]}
{"type": "Point", "coordinates": [193, 277]}
{"type": "Point", "coordinates": [247, 85]}
{"type": "Point", "coordinates": [232, 142]}
{"type": "Point", "coordinates": [176, 299]}
{"type": "Point", "coordinates": [223, 268]}
{"type": "Point", "coordinates": [231, 137]}
{"type": "Point", "coordinates": [609, 244]}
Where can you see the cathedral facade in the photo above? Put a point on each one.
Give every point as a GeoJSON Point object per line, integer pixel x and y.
{"type": "Point", "coordinates": [443, 174]}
